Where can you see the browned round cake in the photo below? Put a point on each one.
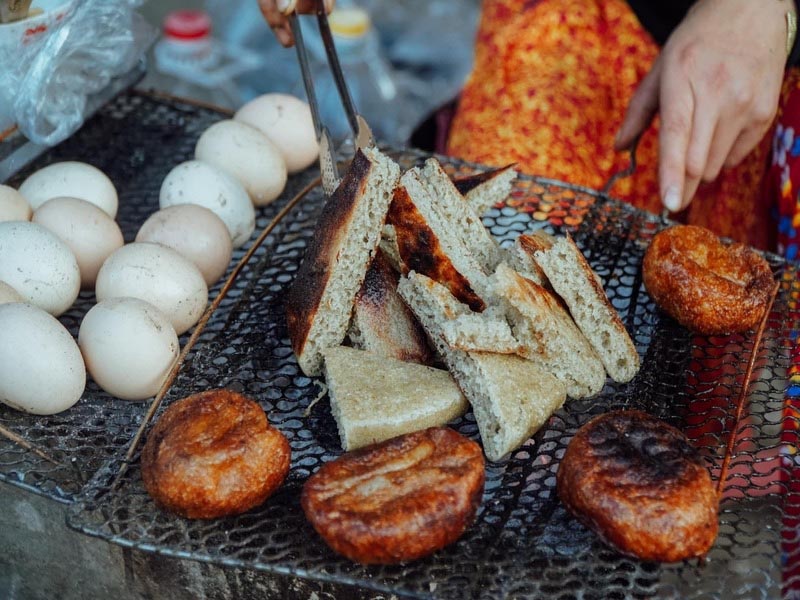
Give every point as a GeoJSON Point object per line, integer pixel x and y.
{"type": "Point", "coordinates": [706, 286]}
{"type": "Point", "coordinates": [641, 486]}
{"type": "Point", "coordinates": [214, 454]}
{"type": "Point", "coordinates": [398, 500]}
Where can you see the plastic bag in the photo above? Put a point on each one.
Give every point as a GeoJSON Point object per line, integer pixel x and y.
{"type": "Point", "coordinates": [46, 81]}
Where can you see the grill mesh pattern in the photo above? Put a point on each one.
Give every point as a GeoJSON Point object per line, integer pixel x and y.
{"type": "Point", "coordinates": [524, 543]}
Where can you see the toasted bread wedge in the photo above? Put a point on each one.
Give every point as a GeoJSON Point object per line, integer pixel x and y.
{"type": "Point", "coordinates": [548, 334]}
{"type": "Point", "coordinates": [382, 323]}
{"type": "Point", "coordinates": [428, 244]}
{"type": "Point", "coordinates": [484, 190]}
{"type": "Point", "coordinates": [374, 398]}
{"type": "Point", "coordinates": [464, 221]}
{"type": "Point", "coordinates": [574, 280]}
{"type": "Point", "coordinates": [470, 331]}
{"type": "Point", "coordinates": [319, 302]}
{"type": "Point", "coordinates": [523, 263]}
{"type": "Point", "coordinates": [511, 397]}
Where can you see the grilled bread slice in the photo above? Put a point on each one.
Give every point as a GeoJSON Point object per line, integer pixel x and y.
{"type": "Point", "coordinates": [319, 302]}
{"type": "Point", "coordinates": [428, 243]}
{"type": "Point", "coordinates": [511, 397]}
{"type": "Point", "coordinates": [579, 286]}
{"type": "Point", "coordinates": [548, 334]}
{"type": "Point", "coordinates": [464, 329]}
{"type": "Point", "coordinates": [523, 263]}
{"type": "Point", "coordinates": [374, 398]}
{"type": "Point", "coordinates": [484, 190]}
{"type": "Point", "coordinates": [382, 323]}
{"type": "Point", "coordinates": [465, 222]}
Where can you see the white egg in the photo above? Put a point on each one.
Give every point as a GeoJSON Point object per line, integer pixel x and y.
{"type": "Point", "coordinates": [88, 231]}
{"type": "Point", "coordinates": [158, 275]}
{"type": "Point", "coordinates": [13, 205]}
{"type": "Point", "coordinates": [39, 266]}
{"type": "Point", "coordinates": [9, 294]}
{"type": "Point", "coordinates": [41, 369]}
{"type": "Point", "coordinates": [195, 233]}
{"type": "Point", "coordinates": [287, 122]}
{"type": "Point", "coordinates": [247, 154]}
{"type": "Point", "coordinates": [129, 347]}
{"type": "Point", "coordinates": [73, 179]}
{"type": "Point", "coordinates": [197, 182]}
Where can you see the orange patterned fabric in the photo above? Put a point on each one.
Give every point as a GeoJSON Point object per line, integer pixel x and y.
{"type": "Point", "coordinates": [549, 89]}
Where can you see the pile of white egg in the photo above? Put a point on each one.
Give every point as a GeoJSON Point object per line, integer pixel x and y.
{"type": "Point", "coordinates": [58, 236]}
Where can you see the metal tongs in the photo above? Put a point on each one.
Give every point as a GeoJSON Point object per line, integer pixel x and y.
{"type": "Point", "coordinates": [362, 134]}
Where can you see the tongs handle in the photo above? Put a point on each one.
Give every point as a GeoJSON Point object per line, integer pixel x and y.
{"type": "Point", "coordinates": [327, 162]}
{"type": "Point", "coordinates": [362, 134]}
{"type": "Point", "coordinates": [626, 172]}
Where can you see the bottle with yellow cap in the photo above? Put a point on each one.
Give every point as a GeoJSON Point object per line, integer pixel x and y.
{"type": "Point", "coordinates": [370, 78]}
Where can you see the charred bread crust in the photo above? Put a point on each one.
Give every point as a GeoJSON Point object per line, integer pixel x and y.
{"type": "Point", "coordinates": [213, 454]}
{"type": "Point", "coordinates": [467, 183]}
{"type": "Point", "coordinates": [384, 323]}
{"type": "Point", "coordinates": [306, 291]}
{"type": "Point", "coordinates": [706, 286]}
{"type": "Point", "coordinates": [641, 485]}
{"type": "Point", "coordinates": [421, 251]}
{"type": "Point", "coordinates": [399, 500]}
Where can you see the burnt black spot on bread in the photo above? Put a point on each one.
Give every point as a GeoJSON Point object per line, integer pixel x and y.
{"type": "Point", "coordinates": [468, 183]}
{"type": "Point", "coordinates": [641, 448]}
{"type": "Point", "coordinates": [305, 293]}
{"type": "Point", "coordinates": [379, 281]}
{"type": "Point", "coordinates": [421, 251]}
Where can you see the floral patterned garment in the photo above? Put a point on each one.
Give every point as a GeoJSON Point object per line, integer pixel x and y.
{"type": "Point", "coordinates": [549, 89]}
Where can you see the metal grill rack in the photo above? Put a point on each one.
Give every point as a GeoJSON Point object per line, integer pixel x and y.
{"type": "Point", "coordinates": [524, 543]}
{"type": "Point", "coordinates": [136, 139]}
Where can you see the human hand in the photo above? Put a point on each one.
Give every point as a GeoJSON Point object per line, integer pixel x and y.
{"type": "Point", "coordinates": [716, 86]}
{"type": "Point", "coordinates": [276, 12]}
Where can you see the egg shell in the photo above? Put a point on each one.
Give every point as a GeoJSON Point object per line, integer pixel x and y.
{"type": "Point", "coordinates": [158, 275]}
{"type": "Point", "coordinates": [195, 233]}
{"type": "Point", "coordinates": [88, 231]}
{"type": "Point", "coordinates": [9, 294]}
{"type": "Point", "coordinates": [41, 369]}
{"type": "Point", "coordinates": [73, 179]}
{"type": "Point", "coordinates": [287, 122]}
{"type": "Point", "coordinates": [197, 182]}
{"type": "Point", "coordinates": [129, 347]}
{"type": "Point", "coordinates": [13, 205]}
{"type": "Point", "coordinates": [247, 154]}
{"type": "Point", "coordinates": [39, 266]}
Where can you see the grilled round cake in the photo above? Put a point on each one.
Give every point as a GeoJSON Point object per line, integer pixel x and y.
{"type": "Point", "coordinates": [708, 287]}
{"type": "Point", "coordinates": [641, 485]}
{"type": "Point", "coordinates": [214, 454]}
{"type": "Point", "coordinates": [398, 500]}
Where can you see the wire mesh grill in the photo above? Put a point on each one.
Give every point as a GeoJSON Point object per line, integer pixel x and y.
{"type": "Point", "coordinates": [524, 543]}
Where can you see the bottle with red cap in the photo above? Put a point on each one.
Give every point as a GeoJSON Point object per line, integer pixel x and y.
{"type": "Point", "coordinates": [190, 63]}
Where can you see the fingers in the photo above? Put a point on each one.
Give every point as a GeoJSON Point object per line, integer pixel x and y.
{"type": "Point", "coordinates": [277, 21]}
{"type": "Point", "coordinates": [276, 11]}
{"type": "Point", "coordinates": [744, 144]}
{"type": "Point", "coordinates": [677, 113]}
{"type": "Point", "coordinates": [310, 6]}
{"type": "Point", "coordinates": [641, 109]}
